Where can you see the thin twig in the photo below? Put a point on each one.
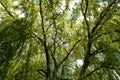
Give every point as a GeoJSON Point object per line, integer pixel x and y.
{"type": "Point", "coordinates": [7, 10]}
{"type": "Point", "coordinates": [69, 53]}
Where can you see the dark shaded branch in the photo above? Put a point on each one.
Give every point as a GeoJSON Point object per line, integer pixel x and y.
{"type": "Point", "coordinates": [85, 13]}
{"type": "Point", "coordinates": [96, 52]}
{"type": "Point", "coordinates": [117, 40]}
{"type": "Point", "coordinates": [55, 17]}
{"type": "Point", "coordinates": [49, 26]}
{"type": "Point", "coordinates": [53, 56]}
{"type": "Point", "coordinates": [88, 53]}
{"type": "Point", "coordinates": [62, 72]}
{"type": "Point", "coordinates": [7, 10]}
{"type": "Point", "coordinates": [42, 72]}
{"type": "Point", "coordinates": [86, 6]}
{"type": "Point", "coordinates": [101, 66]}
{"type": "Point", "coordinates": [40, 39]}
{"type": "Point", "coordinates": [88, 26]}
{"type": "Point", "coordinates": [87, 62]}
{"type": "Point", "coordinates": [45, 43]}
{"type": "Point", "coordinates": [55, 36]}
{"type": "Point", "coordinates": [102, 15]}
{"type": "Point", "coordinates": [92, 72]}
{"type": "Point", "coordinates": [105, 33]}
{"type": "Point", "coordinates": [54, 41]}
{"type": "Point", "coordinates": [68, 53]}
{"type": "Point", "coordinates": [85, 66]}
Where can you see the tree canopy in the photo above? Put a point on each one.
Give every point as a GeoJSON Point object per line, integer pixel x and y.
{"type": "Point", "coordinates": [59, 40]}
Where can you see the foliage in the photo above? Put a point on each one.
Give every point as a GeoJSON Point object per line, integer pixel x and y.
{"type": "Point", "coordinates": [59, 40]}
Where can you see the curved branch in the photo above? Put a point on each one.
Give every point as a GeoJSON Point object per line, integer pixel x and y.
{"type": "Point", "coordinates": [102, 15]}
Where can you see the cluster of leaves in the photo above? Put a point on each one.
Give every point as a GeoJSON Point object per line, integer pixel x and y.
{"type": "Point", "coordinates": [46, 39]}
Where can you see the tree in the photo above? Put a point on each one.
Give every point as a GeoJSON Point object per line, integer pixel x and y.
{"type": "Point", "coordinates": [47, 39]}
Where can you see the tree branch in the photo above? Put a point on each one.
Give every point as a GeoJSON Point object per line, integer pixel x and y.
{"type": "Point", "coordinates": [45, 43]}
{"type": "Point", "coordinates": [40, 72]}
{"type": "Point", "coordinates": [92, 72]}
{"type": "Point", "coordinates": [102, 15]}
{"type": "Point", "coordinates": [7, 10]}
{"type": "Point", "coordinates": [69, 53]}
{"type": "Point", "coordinates": [40, 39]}
{"type": "Point", "coordinates": [117, 40]}
{"type": "Point", "coordinates": [101, 66]}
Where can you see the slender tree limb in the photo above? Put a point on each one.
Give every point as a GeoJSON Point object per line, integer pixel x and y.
{"type": "Point", "coordinates": [54, 42]}
{"type": "Point", "coordinates": [92, 72]}
{"type": "Point", "coordinates": [42, 72]}
{"type": "Point", "coordinates": [101, 66]}
{"type": "Point", "coordinates": [117, 40]}
{"type": "Point", "coordinates": [40, 39]}
{"type": "Point", "coordinates": [85, 13]}
{"type": "Point", "coordinates": [55, 36]}
{"type": "Point", "coordinates": [45, 43]}
{"type": "Point", "coordinates": [98, 36]}
{"type": "Point", "coordinates": [86, 6]}
{"type": "Point", "coordinates": [68, 53]}
{"type": "Point", "coordinates": [102, 15]}
{"type": "Point", "coordinates": [9, 13]}
{"type": "Point", "coordinates": [96, 52]}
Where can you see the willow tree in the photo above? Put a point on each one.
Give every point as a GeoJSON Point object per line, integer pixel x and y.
{"type": "Point", "coordinates": [59, 40]}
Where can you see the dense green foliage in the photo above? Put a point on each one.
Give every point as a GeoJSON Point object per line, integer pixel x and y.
{"type": "Point", "coordinates": [59, 40]}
